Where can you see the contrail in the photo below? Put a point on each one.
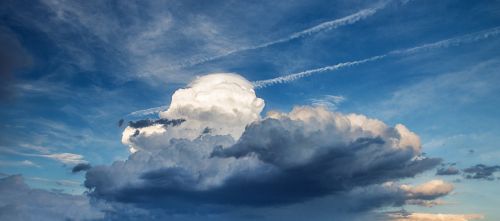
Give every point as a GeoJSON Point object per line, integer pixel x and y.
{"type": "Point", "coordinates": [350, 19]}
{"type": "Point", "coordinates": [440, 44]}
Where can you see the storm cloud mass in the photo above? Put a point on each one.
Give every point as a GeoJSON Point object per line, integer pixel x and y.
{"type": "Point", "coordinates": [282, 159]}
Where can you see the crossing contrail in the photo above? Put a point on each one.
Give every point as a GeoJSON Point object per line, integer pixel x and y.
{"type": "Point", "coordinates": [440, 44]}
{"type": "Point", "coordinates": [468, 38]}
{"type": "Point", "coordinates": [350, 19]}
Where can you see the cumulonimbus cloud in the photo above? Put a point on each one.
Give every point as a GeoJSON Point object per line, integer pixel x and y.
{"type": "Point", "coordinates": [440, 44]}
{"type": "Point", "coordinates": [245, 160]}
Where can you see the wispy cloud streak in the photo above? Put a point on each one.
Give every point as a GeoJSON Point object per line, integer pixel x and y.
{"type": "Point", "coordinates": [477, 36]}
{"type": "Point", "coordinates": [328, 25]}
{"type": "Point", "coordinates": [148, 111]}
{"type": "Point", "coordinates": [66, 158]}
{"type": "Point", "coordinates": [440, 44]}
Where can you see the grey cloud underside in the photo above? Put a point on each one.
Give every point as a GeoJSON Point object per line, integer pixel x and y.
{"type": "Point", "coordinates": [81, 167]}
{"type": "Point", "coordinates": [481, 171]}
{"type": "Point", "coordinates": [13, 56]}
{"type": "Point", "coordinates": [333, 166]}
{"type": "Point", "coordinates": [19, 202]}
{"type": "Point", "coordinates": [150, 122]}
{"type": "Point", "coordinates": [443, 171]}
{"type": "Point", "coordinates": [120, 122]}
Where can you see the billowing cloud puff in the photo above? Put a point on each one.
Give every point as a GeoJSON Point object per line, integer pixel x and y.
{"type": "Point", "coordinates": [225, 103]}
{"type": "Point", "coordinates": [393, 194]}
{"type": "Point", "coordinates": [219, 104]}
{"type": "Point", "coordinates": [224, 154]}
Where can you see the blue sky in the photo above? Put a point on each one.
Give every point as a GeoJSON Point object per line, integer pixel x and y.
{"type": "Point", "coordinates": [71, 70]}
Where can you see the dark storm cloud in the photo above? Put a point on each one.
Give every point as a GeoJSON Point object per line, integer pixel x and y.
{"type": "Point", "coordinates": [150, 122]}
{"type": "Point", "coordinates": [81, 167]}
{"type": "Point", "coordinates": [450, 170]}
{"type": "Point", "coordinates": [481, 171]}
{"type": "Point", "coordinates": [332, 167]}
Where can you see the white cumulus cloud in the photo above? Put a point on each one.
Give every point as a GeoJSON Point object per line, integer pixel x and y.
{"type": "Point", "coordinates": [219, 104]}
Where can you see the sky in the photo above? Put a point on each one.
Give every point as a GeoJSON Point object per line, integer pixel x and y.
{"type": "Point", "coordinates": [246, 110]}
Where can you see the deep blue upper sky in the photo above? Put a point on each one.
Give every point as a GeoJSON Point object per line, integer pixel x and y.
{"type": "Point", "coordinates": [70, 70]}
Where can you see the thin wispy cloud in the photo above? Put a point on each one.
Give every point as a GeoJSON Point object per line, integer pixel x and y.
{"type": "Point", "coordinates": [66, 158]}
{"type": "Point", "coordinates": [328, 101]}
{"type": "Point", "coordinates": [325, 26]}
{"type": "Point", "coordinates": [61, 182]}
{"type": "Point", "coordinates": [477, 36]}
{"type": "Point", "coordinates": [23, 163]}
{"type": "Point", "coordinates": [148, 111]}
{"type": "Point", "coordinates": [468, 38]}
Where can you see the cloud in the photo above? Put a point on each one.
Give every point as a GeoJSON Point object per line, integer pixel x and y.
{"type": "Point", "coordinates": [325, 26]}
{"type": "Point", "coordinates": [149, 111]}
{"type": "Point", "coordinates": [282, 159]}
{"type": "Point", "coordinates": [81, 167]}
{"type": "Point", "coordinates": [66, 158]}
{"type": "Point", "coordinates": [149, 122]}
{"type": "Point", "coordinates": [395, 195]}
{"type": "Point", "coordinates": [481, 171]}
{"type": "Point", "coordinates": [472, 37]}
{"type": "Point", "coordinates": [450, 170]}
{"type": "Point", "coordinates": [120, 122]}
{"type": "Point", "coordinates": [23, 163]}
{"type": "Point", "coordinates": [430, 190]}
{"type": "Point", "coordinates": [223, 102]}
{"type": "Point", "coordinates": [156, 37]}
{"type": "Point", "coordinates": [13, 56]}
{"type": "Point", "coordinates": [443, 91]}
{"type": "Point", "coordinates": [468, 84]}
{"type": "Point", "coordinates": [434, 217]}
{"type": "Point", "coordinates": [20, 202]}
{"type": "Point", "coordinates": [329, 101]}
